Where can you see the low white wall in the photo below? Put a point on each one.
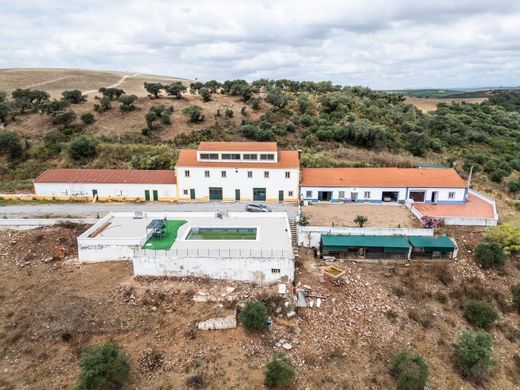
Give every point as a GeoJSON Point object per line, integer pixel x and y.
{"type": "Point", "coordinates": [257, 270]}
{"type": "Point", "coordinates": [309, 236]}
{"type": "Point", "coordinates": [33, 223]}
{"type": "Point", "coordinates": [99, 253]}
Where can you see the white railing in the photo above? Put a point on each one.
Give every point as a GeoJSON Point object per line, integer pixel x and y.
{"type": "Point", "coordinates": [215, 253]}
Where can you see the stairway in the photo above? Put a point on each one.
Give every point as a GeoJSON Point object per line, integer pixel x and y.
{"type": "Point", "coordinates": [294, 237]}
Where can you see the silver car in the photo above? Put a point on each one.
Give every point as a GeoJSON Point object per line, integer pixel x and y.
{"type": "Point", "coordinates": [258, 208]}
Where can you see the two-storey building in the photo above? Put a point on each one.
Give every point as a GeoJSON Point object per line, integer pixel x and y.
{"type": "Point", "coordinates": [238, 171]}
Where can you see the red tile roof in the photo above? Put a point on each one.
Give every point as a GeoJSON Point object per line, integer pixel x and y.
{"type": "Point", "coordinates": [286, 159]}
{"type": "Point", "coordinates": [237, 147]}
{"type": "Point", "coordinates": [381, 177]}
{"type": "Point", "coordinates": [109, 176]}
{"type": "Point", "coordinates": [474, 207]}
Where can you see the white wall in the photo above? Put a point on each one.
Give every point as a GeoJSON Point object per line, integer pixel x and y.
{"type": "Point", "coordinates": [310, 236]}
{"type": "Point", "coordinates": [237, 179]}
{"type": "Point", "coordinates": [107, 252]}
{"type": "Point", "coordinates": [376, 193]}
{"type": "Point", "coordinates": [116, 191]}
{"type": "Point", "coordinates": [257, 270]}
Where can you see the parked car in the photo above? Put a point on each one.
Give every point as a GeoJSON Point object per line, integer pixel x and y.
{"type": "Point", "coordinates": [258, 208]}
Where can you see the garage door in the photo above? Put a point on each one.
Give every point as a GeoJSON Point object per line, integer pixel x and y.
{"type": "Point", "coordinates": [215, 193]}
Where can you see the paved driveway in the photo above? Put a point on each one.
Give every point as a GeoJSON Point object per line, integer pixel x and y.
{"type": "Point", "coordinates": [90, 210]}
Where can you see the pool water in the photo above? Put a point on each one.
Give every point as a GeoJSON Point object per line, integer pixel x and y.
{"type": "Point", "coordinates": [216, 233]}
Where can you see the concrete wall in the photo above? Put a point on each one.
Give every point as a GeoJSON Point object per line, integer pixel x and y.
{"type": "Point", "coordinates": [309, 236]}
{"type": "Point", "coordinates": [258, 270]}
{"type": "Point", "coordinates": [376, 193]}
{"type": "Point", "coordinates": [106, 252]}
{"type": "Point", "coordinates": [115, 192]}
{"type": "Point", "coordinates": [237, 178]}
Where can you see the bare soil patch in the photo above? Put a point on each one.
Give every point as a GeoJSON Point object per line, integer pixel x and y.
{"type": "Point", "coordinates": [344, 214]}
{"type": "Point", "coordinates": [430, 104]}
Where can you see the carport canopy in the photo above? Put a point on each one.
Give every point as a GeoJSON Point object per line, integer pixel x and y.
{"type": "Point", "coordinates": [341, 243]}
{"type": "Point", "coordinates": [433, 243]}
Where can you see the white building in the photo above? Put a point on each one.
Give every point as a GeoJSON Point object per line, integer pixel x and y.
{"type": "Point", "coordinates": [264, 256]}
{"type": "Point", "coordinates": [106, 184]}
{"type": "Point", "coordinates": [238, 171]}
{"type": "Point", "coordinates": [376, 185]}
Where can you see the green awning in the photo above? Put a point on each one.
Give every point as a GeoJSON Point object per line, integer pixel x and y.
{"type": "Point", "coordinates": [433, 243]}
{"type": "Point", "coordinates": [341, 242]}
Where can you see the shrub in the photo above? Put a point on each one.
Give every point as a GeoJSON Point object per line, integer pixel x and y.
{"type": "Point", "coordinates": [254, 316]}
{"type": "Point", "coordinates": [127, 103]}
{"type": "Point", "coordinates": [279, 371]}
{"type": "Point", "coordinates": [255, 103]}
{"type": "Point", "coordinates": [360, 220]}
{"type": "Point", "coordinates": [290, 127]}
{"type": "Point", "coordinates": [410, 370]}
{"type": "Point", "coordinates": [514, 185]}
{"type": "Point", "coordinates": [103, 367]}
{"type": "Point", "coordinates": [303, 220]}
{"type": "Point", "coordinates": [430, 222]}
{"type": "Point", "coordinates": [480, 314]}
{"type": "Point", "coordinates": [490, 254]}
{"type": "Point", "coordinates": [82, 147]}
{"type": "Point", "coordinates": [64, 118]}
{"type": "Point", "coordinates": [515, 290]}
{"type": "Point", "coordinates": [74, 97]}
{"type": "Point", "coordinates": [507, 236]}
{"type": "Point", "coordinates": [229, 113]}
{"type": "Point", "coordinates": [88, 118]}
{"type": "Point", "coordinates": [473, 354]}
{"type": "Point", "coordinates": [194, 114]}
{"type": "Point", "coordinates": [11, 144]}
{"type": "Point", "coordinates": [206, 94]}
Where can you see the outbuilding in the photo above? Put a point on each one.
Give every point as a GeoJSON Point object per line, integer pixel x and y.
{"type": "Point", "coordinates": [366, 247]}
{"type": "Point", "coordinates": [434, 247]}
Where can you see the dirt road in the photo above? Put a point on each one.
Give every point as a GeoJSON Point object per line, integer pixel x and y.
{"type": "Point", "coordinates": [121, 81]}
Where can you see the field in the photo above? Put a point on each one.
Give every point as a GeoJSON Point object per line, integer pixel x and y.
{"type": "Point", "coordinates": [344, 214]}
{"type": "Point", "coordinates": [430, 104]}
{"type": "Point", "coordinates": [55, 81]}
{"type": "Point", "coordinates": [51, 308]}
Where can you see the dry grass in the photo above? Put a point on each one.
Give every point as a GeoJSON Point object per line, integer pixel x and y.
{"type": "Point", "coordinates": [430, 104]}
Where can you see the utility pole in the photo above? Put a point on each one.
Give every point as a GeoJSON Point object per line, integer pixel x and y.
{"type": "Point", "coordinates": [469, 176]}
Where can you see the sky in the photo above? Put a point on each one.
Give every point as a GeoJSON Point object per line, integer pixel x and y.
{"type": "Point", "coordinates": [391, 44]}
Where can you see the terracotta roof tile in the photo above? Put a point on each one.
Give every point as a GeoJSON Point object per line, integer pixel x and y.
{"type": "Point", "coordinates": [381, 177]}
{"type": "Point", "coordinates": [108, 176]}
{"type": "Point", "coordinates": [237, 147]}
{"type": "Point", "coordinates": [286, 159]}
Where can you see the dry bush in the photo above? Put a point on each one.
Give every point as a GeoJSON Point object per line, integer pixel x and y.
{"type": "Point", "coordinates": [443, 274]}
{"type": "Point", "coordinates": [510, 332]}
{"type": "Point", "coordinates": [423, 316]}
{"type": "Point", "coordinates": [151, 360]}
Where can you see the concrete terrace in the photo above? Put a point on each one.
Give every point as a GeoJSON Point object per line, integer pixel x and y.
{"type": "Point", "coordinates": [474, 207]}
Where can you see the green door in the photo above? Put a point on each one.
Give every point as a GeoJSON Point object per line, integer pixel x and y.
{"type": "Point", "coordinates": [215, 193]}
{"type": "Point", "coordinates": [280, 196]}
{"type": "Point", "coordinates": [259, 194]}
{"type": "Point", "coordinates": [94, 193]}
{"type": "Point", "coordinates": [147, 195]}
{"type": "Point", "coordinates": [155, 195]}
{"type": "Point", "coordinates": [237, 195]}
{"type": "Point", "coordinates": [192, 194]}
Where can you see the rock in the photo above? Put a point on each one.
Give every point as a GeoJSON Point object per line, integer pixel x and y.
{"type": "Point", "coordinates": [287, 346]}
{"type": "Point", "coordinates": [228, 322]}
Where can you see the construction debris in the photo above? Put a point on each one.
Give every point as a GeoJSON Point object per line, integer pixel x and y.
{"type": "Point", "coordinates": [227, 322]}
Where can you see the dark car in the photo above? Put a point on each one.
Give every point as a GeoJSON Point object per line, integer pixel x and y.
{"type": "Point", "coordinates": [258, 208]}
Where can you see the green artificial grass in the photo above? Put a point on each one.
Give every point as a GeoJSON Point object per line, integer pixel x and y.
{"type": "Point", "coordinates": [166, 241]}
{"type": "Point", "coordinates": [222, 234]}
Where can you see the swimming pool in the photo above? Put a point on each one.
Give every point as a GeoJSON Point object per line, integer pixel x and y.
{"type": "Point", "coordinates": [221, 233]}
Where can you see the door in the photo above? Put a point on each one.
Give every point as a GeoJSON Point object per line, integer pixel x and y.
{"type": "Point", "coordinates": [434, 196]}
{"type": "Point", "coordinates": [147, 195]}
{"type": "Point", "coordinates": [192, 193]}
{"type": "Point", "coordinates": [259, 194]}
{"type": "Point", "coordinates": [215, 193]}
{"type": "Point", "coordinates": [237, 195]}
{"type": "Point", "coordinates": [155, 195]}
{"type": "Point", "coordinates": [353, 196]}
{"type": "Point", "coordinates": [324, 196]}
{"type": "Point", "coordinates": [417, 196]}
{"type": "Point", "coordinates": [280, 196]}
{"type": "Point", "coordinates": [94, 193]}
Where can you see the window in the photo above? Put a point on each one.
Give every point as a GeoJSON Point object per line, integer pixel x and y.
{"type": "Point", "coordinates": [223, 173]}
{"type": "Point", "coordinates": [249, 174]}
{"type": "Point", "coordinates": [267, 157]}
{"type": "Point", "coordinates": [206, 173]}
{"type": "Point", "coordinates": [308, 194]}
{"type": "Point", "coordinates": [451, 195]}
{"type": "Point", "coordinates": [209, 156]}
{"type": "Point", "coordinates": [367, 194]}
{"type": "Point", "coordinates": [186, 173]}
{"type": "Point", "coordinates": [230, 156]}
{"type": "Point", "coordinates": [266, 174]}
{"type": "Point", "coordinates": [287, 175]}
{"type": "Point", "coordinates": [275, 270]}
{"type": "Point", "coordinates": [290, 193]}
{"type": "Point", "coordinates": [185, 192]}
{"type": "Point", "coordinates": [341, 194]}
{"type": "Point", "coordinates": [250, 156]}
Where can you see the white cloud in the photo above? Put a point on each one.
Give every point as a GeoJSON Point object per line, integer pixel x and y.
{"type": "Point", "coordinates": [382, 44]}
